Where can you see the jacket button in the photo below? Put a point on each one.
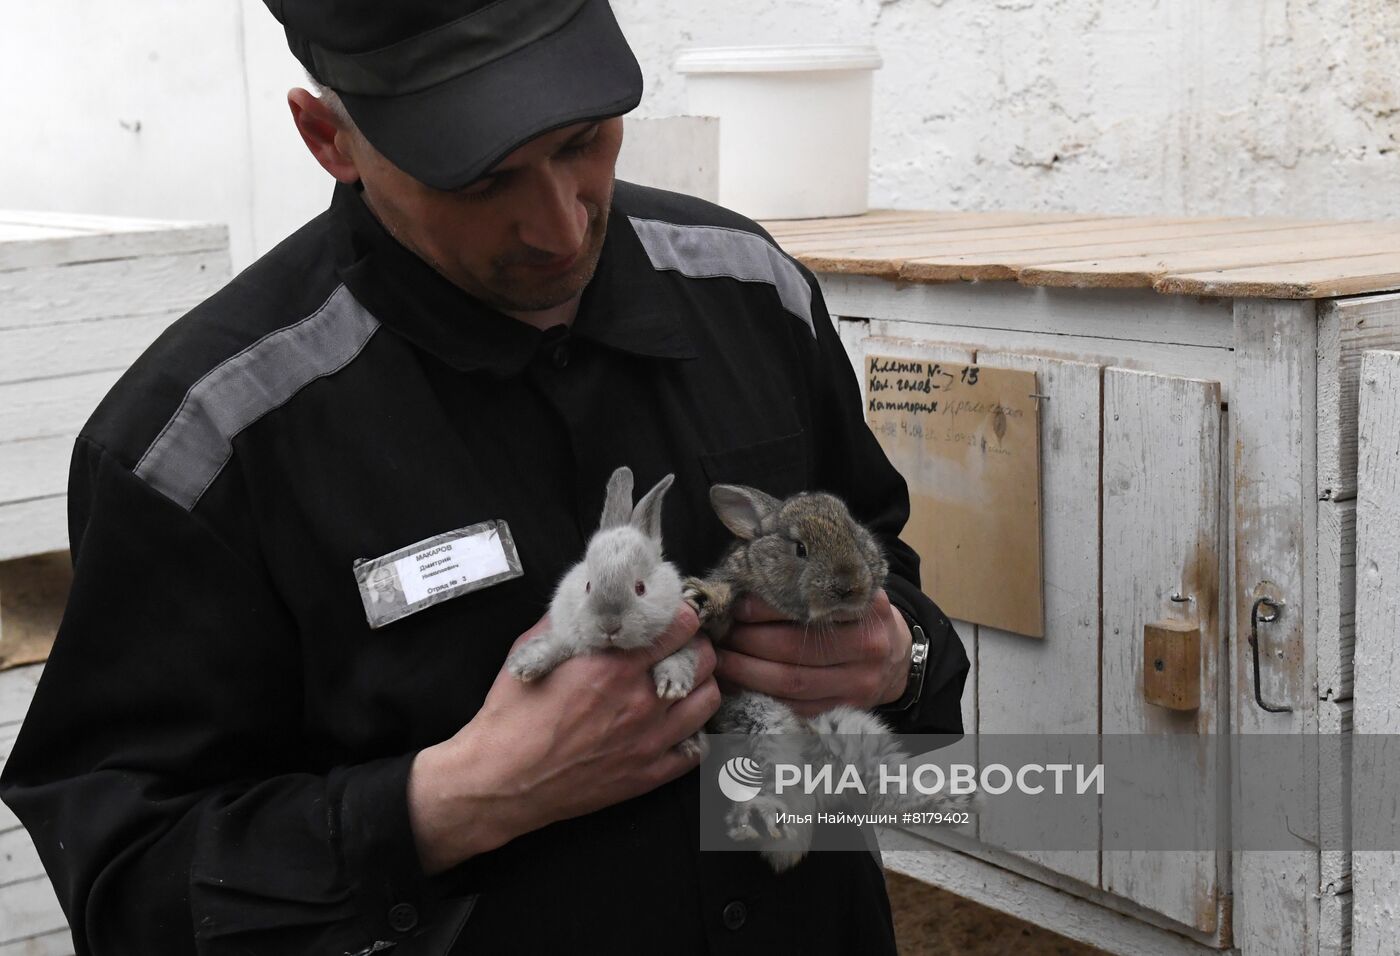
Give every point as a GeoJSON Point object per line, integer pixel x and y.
{"type": "Point", "coordinates": [734, 915]}
{"type": "Point", "coordinates": [560, 356]}
{"type": "Point", "coordinates": [403, 917]}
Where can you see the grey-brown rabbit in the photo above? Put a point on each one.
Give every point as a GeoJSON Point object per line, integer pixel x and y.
{"type": "Point", "coordinates": [811, 561]}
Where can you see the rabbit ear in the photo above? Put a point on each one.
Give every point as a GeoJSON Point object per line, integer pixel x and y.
{"type": "Point", "coordinates": [618, 504]}
{"type": "Point", "coordinates": [647, 515]}
{"type": "Point", "coordinates": [742, 509]}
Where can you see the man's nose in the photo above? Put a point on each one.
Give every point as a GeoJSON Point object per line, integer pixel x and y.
{"type": "Point", "coordinates": [557, 220]}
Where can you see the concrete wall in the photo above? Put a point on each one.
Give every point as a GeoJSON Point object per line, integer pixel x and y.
{"type": "Point", "coordinates": [1267, 107]}
{"type": "Point", "coordinates": [170, 109]}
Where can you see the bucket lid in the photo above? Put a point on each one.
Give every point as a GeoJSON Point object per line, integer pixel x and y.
{"type": "Point", "coordinates": [772, 59]}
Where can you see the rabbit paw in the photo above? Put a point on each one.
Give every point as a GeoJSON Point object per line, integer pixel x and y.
{"type": "Point", "coordinates": [759, 819]}
{"type": "Point", "coordinates": [711, 600]}
{"type": "Point", "coordinates": [529, 662]}
{"type": "Point", "coordinates": [695, 746]}
{"type": "Point", "coordinates": [675, 675]}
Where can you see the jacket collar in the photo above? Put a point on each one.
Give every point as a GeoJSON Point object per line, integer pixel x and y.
{"type": "Point", "coordinates": [626, 306]}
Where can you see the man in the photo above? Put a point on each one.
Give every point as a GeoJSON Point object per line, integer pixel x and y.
{"type": "Point", "coordinates": [238, 747]}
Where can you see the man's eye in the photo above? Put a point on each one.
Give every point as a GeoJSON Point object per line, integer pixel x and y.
{"type": "Point", "coordinates": [483, 188]}
{"type": "Point", "coordinates": [581, 145]}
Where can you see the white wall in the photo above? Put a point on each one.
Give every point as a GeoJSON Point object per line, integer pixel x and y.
{"type": "Point", "coordinates": [1269, 107]}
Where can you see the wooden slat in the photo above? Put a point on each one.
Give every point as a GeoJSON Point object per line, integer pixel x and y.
{"type": "Point", "coordinates": [1051, 686]}
{"type": "Point", "coordinates": [1336, 598]}
{"type": "Point", "coordinates": [1272, 415]}
{"type": "Point", "coordinates": [57, 943]}
{"type": "Point", "coordinates": [53, 406]}
{"type": "Point", "coordinates": [33, 527]}
{"type": "Point", "coordinates": [1122, 267]}
{"type": "Point", "coordinates": [896, 220]}
{"type": "Point", "coordinates": [1323, 279]}
{"type": "Point", "coordinates": [73, 348]}
{"type": "Point", "coordinates": [52, 295]}
{"type": "Point", "coordinates": [993, 253]}
{"type": "Point", "coordinates": [1161, 533]}
{"type": "Point", "coordinates": [1376, 872]}
{"type": "Point", "coordinates": [978, 235]}
{"type": "Point", "coordinates": [35, 468]}
{"type": "Point", "coordinates": [1263, 259]}
{"type": "Point", "coordinates": [1346, 329]}
{"type": "Point", "coordinates": [16, 689]}
{"type": "Point", "coordinates": [1334, 724]}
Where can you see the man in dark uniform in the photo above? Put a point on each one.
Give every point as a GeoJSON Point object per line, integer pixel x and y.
{"type": "Point", "coordinates": [241, 745]}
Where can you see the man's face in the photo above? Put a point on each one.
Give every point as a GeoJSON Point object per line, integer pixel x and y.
{"type": "Point", "coordinates": [526, 236]}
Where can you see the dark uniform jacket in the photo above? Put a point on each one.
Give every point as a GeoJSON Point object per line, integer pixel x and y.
{"type": "Point", "coordinates": [216, 757]}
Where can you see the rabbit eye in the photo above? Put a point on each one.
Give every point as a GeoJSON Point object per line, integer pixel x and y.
{"type": "Point", "coordinates": [801, 549]}
{"type": "Point", "coordinates": [587, 587]}
{"type": "Point", "coordinates": [640, 587]}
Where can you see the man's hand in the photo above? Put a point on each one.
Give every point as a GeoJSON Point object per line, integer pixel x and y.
{"type": "Point", "coordinates": [863, 663]}
{"type": "Point", "coordinates": [591, 734]}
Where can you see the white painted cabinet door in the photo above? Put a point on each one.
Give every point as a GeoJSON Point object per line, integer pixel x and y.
{"type": "Point", "coordinates": [1051, 686]}
{"type": "Point", "coordinates": [1161, 562]}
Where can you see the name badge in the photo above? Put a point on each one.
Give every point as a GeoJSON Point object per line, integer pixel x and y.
{"type": "Point", "coordinates": [436, 569]}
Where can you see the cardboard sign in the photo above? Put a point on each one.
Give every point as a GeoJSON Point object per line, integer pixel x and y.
{"type": "Point", "coordinates": [967, 440]}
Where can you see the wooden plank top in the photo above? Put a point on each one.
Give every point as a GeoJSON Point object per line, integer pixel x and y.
{"type": "Point", "coordinates": [30, 240]}
{"type": "Point", "coordinates": [1224, 256]}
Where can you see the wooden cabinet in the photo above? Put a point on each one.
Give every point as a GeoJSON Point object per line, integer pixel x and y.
{"type": "Point", "coordinates": [1198, 452]}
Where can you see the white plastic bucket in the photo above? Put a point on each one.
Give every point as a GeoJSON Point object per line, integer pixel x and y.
{"type": "Point", "coordinates": [794, 126]}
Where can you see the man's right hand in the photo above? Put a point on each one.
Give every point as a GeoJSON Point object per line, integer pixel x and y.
{"type": "Point", "coordinates": [591, 734]}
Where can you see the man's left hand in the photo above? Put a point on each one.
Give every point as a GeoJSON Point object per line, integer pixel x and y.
{"type": "Point", "coordinates": [812, 668]}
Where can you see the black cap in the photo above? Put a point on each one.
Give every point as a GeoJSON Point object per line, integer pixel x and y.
{"type": "Point", "coordinates": [445, 89]}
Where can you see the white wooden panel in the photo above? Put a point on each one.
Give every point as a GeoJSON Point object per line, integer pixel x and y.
{"type": "Point", "coordinates": [29, 908]}
{"type": "Point", "coordinates": [57, 943]}
{"type": "Point", "coordinates": [16, 689]}
{"type": "Point", "coordinates": [1135, 314]}
{"type": "Point", "coordinates": [8, 820]}
{"type": "Point", "coordinates": [75, 347]}
{"type": "Point", "coordinates": [1216, 364]}
{"type": "Point", "coordinates": [51, 406]}
{"type": "Point", "coordinates": [18, 858]}
{"type": "Point", "coordinates": [1272, 414]}
{"type": "Point", "coordinates": [1376, 872]}
{"type": "Point", "coordinates": [35, 468]}
{"type": "Point", "coordinates": [1051, 686]}
{"type": "Point", "coordinates": [1334, 723]}
{"type": "Point", "coordinates": [100, 238]}
{"type": "Point", "coordinates": [1161, 535]}
{"type": "Point", "coordinates": [1346, 329]}
{"type": "Point", "coordinates": [33, 527]}
{"type": "Point", "coordinates": [94, 290]}
{"type": "Point", "coordinates": [1336, 598]}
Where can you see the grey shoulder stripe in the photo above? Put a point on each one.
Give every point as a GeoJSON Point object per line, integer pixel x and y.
{"type": "Point", "coordinates": [707, 251]}
{"type": "Point", "coordinates": [197, 441]}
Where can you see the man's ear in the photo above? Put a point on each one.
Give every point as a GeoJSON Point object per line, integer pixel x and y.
{"type": "Point", "coordinates": [324, 134]}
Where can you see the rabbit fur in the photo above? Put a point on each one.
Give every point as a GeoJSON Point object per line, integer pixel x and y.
{"type": "Point", "coordinates": [811, 561]}
{"type": "Point", "coordinates": [622, 594]}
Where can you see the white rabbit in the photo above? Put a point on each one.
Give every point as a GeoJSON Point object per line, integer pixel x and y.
{"type": "Point", "coordinates": [622, 594]}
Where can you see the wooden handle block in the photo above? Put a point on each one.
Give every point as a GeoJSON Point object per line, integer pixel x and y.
{"type": "Point", "coordinates": [1171, 665]}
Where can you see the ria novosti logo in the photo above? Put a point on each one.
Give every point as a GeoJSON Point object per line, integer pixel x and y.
{"type": "Point", "coordinates": [740, 779]}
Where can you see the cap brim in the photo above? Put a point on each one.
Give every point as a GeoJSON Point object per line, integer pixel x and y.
{"type": "Point", "coordinates": [450, 134]}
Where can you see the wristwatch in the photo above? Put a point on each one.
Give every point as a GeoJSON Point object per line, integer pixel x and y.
{"type": "Point", "coordinates": [918, 657]}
